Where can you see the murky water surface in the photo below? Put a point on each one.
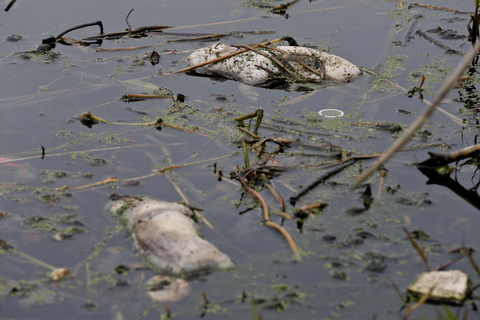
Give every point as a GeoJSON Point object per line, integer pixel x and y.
{"type": "Point", "coordinates": [351, 251]}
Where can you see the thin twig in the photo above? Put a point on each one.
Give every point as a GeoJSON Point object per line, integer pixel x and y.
{"type": "Point", "coordinates": [126, 18]}
{"type": "Point", "coordinates": [437, 159]}
{"type": "Point", "coordinates": [400, 295]}
{"type": "Point", "coordinates": [438, 8]}
{"type": "Point", "coordinates": [319, 180]}
{"type": "Point", "coordinates": [268, 222]}
{"type": "Point", "coordinates": [10, 5]}
{"type": "Point", "coordinates": [417, 247]}
{"type": "Point", "coordinates": [184, 199]}
{"type": "Point", "coordinates": [447, 85]}
{"type": "Point", "coordinates": [225, 56]}
{"type": "Point", "coordinates": [418, 304]}
{"type": "Point", "coordinates": [96, 23]}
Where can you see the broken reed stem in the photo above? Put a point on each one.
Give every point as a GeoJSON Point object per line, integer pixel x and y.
{"type": "Point", "coordinates": [251, 134]}
{"type": "Point", "coordinates": [126, 19]}
{"type": "Point", "coordinates": [225, 56]}
{"type": "Point", "coordinates": [400, 295]}
{"type": "Point", "coordinates": [431, 39]}
{"type": "Point", "coordinates": [246, 116]}
{"type": "Point", "coordinates": [447, 85]}
{"type": "Point", "coordinates": [108, 180]}
{"type": "Point", "coordinates": [245, 154]}
{"type": "Point", "coordinates": [418, 304]}
{"type": "Point", "coordinates": [472, 262]}
{"type": "Point", "coordinates": [313, 206]}
{"type": "Point", "coordinates": [128, 96]}
{"type": "Point", "coordinates": [276, 194]}
{"type": "Point", "coordinates": [96, 23]}
{"type": "Point", "coordinates": [438, 8]}
{"type": "Point", "coordinates": [383, 173]}
{"type": "Point", "coordinates": [437, 159]}
{"type": "Point", "coordinates": [184, 199]}
{"type": "Point", "coordinates": [258, 120]}
{"type": "Point", "coordinates": [287, 236]}
{"type": "Point", "coordinates": [417, 247]}
{"type": "Point", "coordinates": [319, 180]}
{"type": "Point", "coordinates": [34, 260]}
{"type": "Point", "coordinates": [268, 222]}
{"type": "Point", "coordinates": [10, 5]}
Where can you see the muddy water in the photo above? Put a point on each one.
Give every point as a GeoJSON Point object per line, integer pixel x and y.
{"type": "Point", "coordinates": [349, 251]}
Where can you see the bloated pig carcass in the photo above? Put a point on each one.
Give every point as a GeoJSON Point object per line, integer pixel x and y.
{"type": "Point", "coordinates": [255, 69]}
{"type": "Point", "coordinates": [167, 235]}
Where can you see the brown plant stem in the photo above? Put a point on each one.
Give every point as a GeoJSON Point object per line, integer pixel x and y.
{"type": "Point", "coordinates": [438, 159]}
{"type": "Point", "coordinates": [437, 8]}
{"type": "Point", "coordinates": [266, 218]}
{"type": "Point", "coordinates": [224, 57]}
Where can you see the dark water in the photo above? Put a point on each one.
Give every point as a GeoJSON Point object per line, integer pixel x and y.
{"type": "Point", "coordinates": [336, 280]}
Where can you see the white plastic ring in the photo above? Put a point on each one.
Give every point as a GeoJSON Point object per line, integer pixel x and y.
{"type": "Point", "coordinates": [331, 113]}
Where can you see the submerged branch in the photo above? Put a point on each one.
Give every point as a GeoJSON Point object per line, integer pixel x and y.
{"type": "Point", "coordinates": [438, 159]}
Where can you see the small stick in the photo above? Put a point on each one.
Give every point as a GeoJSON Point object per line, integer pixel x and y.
{"type": "Point", "coordinates": [245, 154]}
{"type": "Point", "coordinates": [438, 8]}
{"type": "Point", "coordinates": [417, 247]}
{"type": "Point", "coordinates": [246, 116]}
{"type": "Point", "coordinates": [400, 295]}
{"type": "Point", "coordinates": [10, 5]}
{"type": "Point", "coordinates": [383, 173]}
{"type": "Point", "coordinates": [209, 36]}
{"type": "Point", "coordinates": [319, 180]}
{"type": "Point", "coordinates": [169, 314]}
{"type": "Point", "coordinates": [276, 194]}
{"type": "Point", "coordinates": [251, 134]}
{"type": "Point", "coordinates": [96, 23]}
{"type": "Point", "coordinates": [259, 120]}
{"type": "Point", "coordinates": [224, 57]}
{"type": "Point", "coordinates": [438, 159]}
{"type": "Point", "coordinates": [204, 295]}
{"type": "Point", "coordinates": [472, 262]}
{"type": "Point", "coordinates": [108, 180]}
{"type": "Point", "coordinates": [287, 236]}
{"type": "Point", "coordinates": [266, 217]}
{"type": "Point", "coordinates": [418, 304]}
{"type": "Point", "coordinates": [435, 41]}
{"type": "Point", "coordinates": [128, 96]}
{"type": "Point", "coordinates": [184, 199]}
{"type": "Point", "coordinates": [447, 85]}
{"type": "Point", "coordinates": [313, 206]}
{"type": "Point", "coordinates": [128, 24]}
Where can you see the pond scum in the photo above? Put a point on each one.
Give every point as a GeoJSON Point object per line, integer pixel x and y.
{"type": "Point", "coordinates": [266, 152]}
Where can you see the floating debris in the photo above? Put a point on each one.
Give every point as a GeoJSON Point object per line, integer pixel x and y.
{"type": "Point", "coordinates": [59, 273]}
{"type": "Point", "coordinates": [256, 69]}
{"type": "Point", "coordinates": [331, 113]}
{"type": "Point", "coordinates": [443, 286]}
{"type": "Point", "coordinates": [162, 288]}
{"type": "Point", "coordinates": [167, 235]}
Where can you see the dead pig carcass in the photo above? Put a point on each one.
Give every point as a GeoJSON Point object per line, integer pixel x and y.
{"type": "Point", "coordinates": [255, 69]}
{"type": "Point", "coordinates": [167, 235]}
